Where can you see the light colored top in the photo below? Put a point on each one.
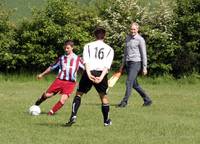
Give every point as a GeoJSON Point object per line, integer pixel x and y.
{"type": "Point", "coordinates": [135, 50]}
{"type": "Point", "coordinates": [98, 55]}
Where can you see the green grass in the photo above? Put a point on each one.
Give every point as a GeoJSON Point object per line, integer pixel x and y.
{"type": "Point", "coordinates": [172, 119]}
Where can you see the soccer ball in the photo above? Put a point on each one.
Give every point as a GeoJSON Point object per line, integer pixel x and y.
{"type": "Point", "coordinates": [34, 110]}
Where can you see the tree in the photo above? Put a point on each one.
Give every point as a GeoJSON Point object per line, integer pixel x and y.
{"type": "Point", "coordinates": [41, 39]}
{"type": "Point", "coordinates": [156, 28]}
{"type": "Point", "coordinates": [187, 35]}
{"type": "Point", "coordinates": [116, 18]}
{"type": "Point", "coordinates": [8, 54]}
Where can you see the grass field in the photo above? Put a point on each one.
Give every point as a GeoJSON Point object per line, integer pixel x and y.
{"type": "Point", "coordinates": [172, 119]}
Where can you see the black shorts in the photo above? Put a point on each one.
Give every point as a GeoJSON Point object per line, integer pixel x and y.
{"type": "Point", "coordinates": [86, 84]}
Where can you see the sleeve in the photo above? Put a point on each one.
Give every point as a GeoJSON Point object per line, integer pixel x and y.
{"type": "Point", "coordinates": [143, 53]}
{"type": "Point", "coordinates": [56, 64]}
{"type": "Point", "coordinates": [86, 54]}
{"type": "Point", "coordinates": [81, 65]}
{"type": "Point", "coordinates": [109, 59]}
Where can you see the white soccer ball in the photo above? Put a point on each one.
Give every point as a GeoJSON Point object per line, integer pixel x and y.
{"type": "Point", "coordinates": [34, 110]}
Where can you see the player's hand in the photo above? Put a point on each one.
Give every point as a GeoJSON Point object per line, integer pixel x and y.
{"type": "Point", "coordinates": [39, 76]}
{"type": "Point", "coordinates": [98, 80]}
{"type": "Point", "coordinates": [91, 77]}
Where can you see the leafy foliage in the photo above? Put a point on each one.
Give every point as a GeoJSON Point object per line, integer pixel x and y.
{"type": "Point", "coordinates": [116, 18]}
{"type": "Point", "coordinates": [41, 39]}
{"type": "Point", "coordinates": [8, 55]}
{"type": "Point", "coordinates": [171, 30]}
{"type": "Point", "coordinates": [188, 37]}
{"type": "Point", "coordinates": [156, 28]}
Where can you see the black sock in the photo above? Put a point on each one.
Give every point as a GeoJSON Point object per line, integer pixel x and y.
{"type": "Point", "coordinates": [41, 99]}
{"type": "Point", "coordinates": [105, 110]}
{"type": "Point", "coordinates": [75, 105]}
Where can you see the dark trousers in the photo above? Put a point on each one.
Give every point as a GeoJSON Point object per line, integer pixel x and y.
{"type": "Point", "coordinates": [133, 69]}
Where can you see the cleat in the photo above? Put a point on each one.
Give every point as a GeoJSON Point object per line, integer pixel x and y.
{"type": "Point", "coordinates": [50, 113]}
{"type": "Point", "coordinates": [108, 122]}
{"type": "Point", "coordinates": [71, 121]}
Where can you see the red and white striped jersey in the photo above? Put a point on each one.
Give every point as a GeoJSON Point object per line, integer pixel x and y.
{"type": "Point", "coordinates": [68, 66]}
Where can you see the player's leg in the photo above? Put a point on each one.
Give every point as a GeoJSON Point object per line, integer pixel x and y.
{"type": "Point", "coordinates": [59, 104]}
{"type": "Point", "coordinates": [76, 103]}
{"type": "Point", "coordinates": [75, 107]}
{"type": "Point", "coordinates": [105, 108]}
{"type": "Point", "coordinates": [52, 90]}
{"type": "Point", "coordinates": [43, 98]}
{"type": "Point", "coordinates": [65, 88]}
{"type": "Point", "coordinates": [84, 86]}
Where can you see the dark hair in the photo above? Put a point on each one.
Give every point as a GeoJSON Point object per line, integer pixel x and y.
{"type": "Point", "coordinates": [69, 42]}
{"type": "Point", "coordinates": [99, 33]}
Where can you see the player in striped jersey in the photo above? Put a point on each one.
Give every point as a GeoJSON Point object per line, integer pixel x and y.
{"type": "Point", "coordinates": [68, 65]}
{"type": "Point", "coordinates": [97, 57]}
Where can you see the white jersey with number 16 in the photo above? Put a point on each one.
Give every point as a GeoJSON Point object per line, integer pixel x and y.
{"type": "Point", "coordinates": [98, 55]}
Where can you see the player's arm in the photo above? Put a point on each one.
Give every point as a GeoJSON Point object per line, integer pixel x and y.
{"type": "Point", "coordinates": [100, 78]}
{"type": "Point", "coordinates": [108, 62]}
{"type": "Point", "coordinates": [90, 76]}
{"type": "Point", "coordinates": [39, 76]}
{"type": "Point", "coordinates": [49, 69]}
{"type": "Point", "coordinates": [86, 61]}
{"type": "Point", "coordinates": [81, 64]}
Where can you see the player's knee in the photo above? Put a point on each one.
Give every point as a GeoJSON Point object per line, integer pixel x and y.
{"type": "Point", "coordinates": [104, 100]}
{"type": "Point", "coordinates": [48, 94]}
{"type": "Point", "coordinates": [64, 99]}
{"type": "Point", "coordinates": [79, 94]}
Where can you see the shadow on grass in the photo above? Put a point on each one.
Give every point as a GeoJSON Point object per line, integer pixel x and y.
{"type": "Point", "coordinates": [97, 104]}
{"type": "Point", "coordinates": [42, 113]}
{"type": "Point", "coordinates": [54, 124]}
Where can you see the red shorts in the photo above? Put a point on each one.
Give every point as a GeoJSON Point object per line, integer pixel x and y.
{"type": "Point", "coordinates": [62, 86]}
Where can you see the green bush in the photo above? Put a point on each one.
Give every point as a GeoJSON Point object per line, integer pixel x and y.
{"type": "Point", "coordinates": [171, 30]}
{"type": "Point", "coordinates": [8, 53]}
{"type": "Point", "coordinates": [187, 35]}
{"type": "Point", "coordinates": [156, 28]}
{"type": "Point", "coordinates": [41, 39]}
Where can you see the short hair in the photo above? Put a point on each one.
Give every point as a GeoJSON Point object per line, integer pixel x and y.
{"type": "Point", "coordinates": [135, 24]}
{"type": "Point", "coordinates": [69, 42]}
{"type": "Point", "coordinates": [99, 32]}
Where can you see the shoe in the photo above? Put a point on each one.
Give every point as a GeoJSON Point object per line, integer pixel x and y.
{"type": "Point", "coordinates": [108, 122]}
{"type": "Point", "coordinates": [50, 113]}
{"type": "Point", "coordinates": [71, 121]}
{"type": "Point", "coordinates": [147, 103]}
{"type": "Point", "coordinates": [122, 104]}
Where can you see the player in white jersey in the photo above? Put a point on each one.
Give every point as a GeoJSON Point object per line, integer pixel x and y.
{"type": "Point", "coordinates": [97, 57]}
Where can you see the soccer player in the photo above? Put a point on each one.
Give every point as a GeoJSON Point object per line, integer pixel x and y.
{"type": "Point", "coordinates": [68, 65]}
{"type": "Point", "coordinates": [97, 57]}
